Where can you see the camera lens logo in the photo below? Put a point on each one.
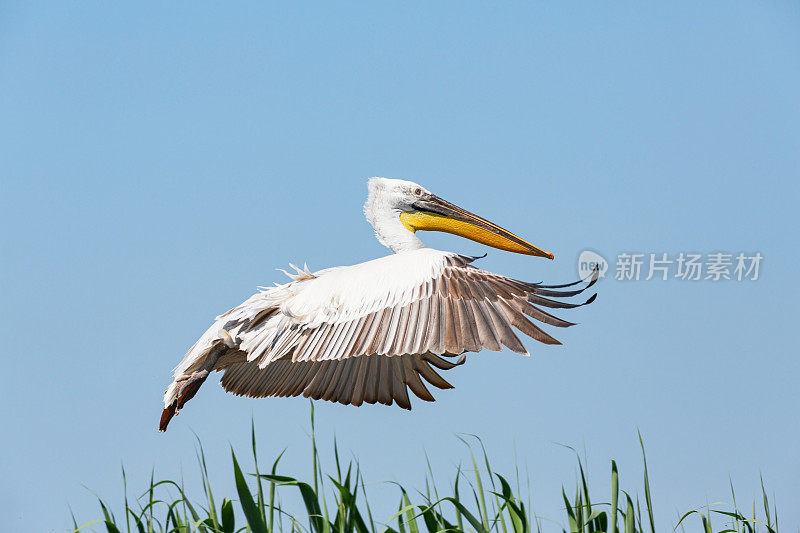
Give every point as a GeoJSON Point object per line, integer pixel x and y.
{"type": "Point", "coordinates": [588, 261]}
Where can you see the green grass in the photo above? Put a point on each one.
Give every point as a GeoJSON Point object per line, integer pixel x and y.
{"type": "Point", "coordinates": [478, 500]}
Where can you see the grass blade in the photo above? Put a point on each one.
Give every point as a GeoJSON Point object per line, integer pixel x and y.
{"type": "Point", "coordinates": [647, 487]}
{"type": "Point", "coordinates": [614, 497]}
{"type": "Point", "coordinates": [246, 500]}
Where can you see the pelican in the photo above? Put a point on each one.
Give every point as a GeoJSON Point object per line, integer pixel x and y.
{"type": "Point", "coordinates": [367, 333]}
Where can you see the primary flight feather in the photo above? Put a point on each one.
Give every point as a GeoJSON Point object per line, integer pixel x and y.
{"type": "Point", "coordinates": [367, 333]}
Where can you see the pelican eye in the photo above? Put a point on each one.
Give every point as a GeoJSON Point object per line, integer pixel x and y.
{"type": "Point", "coordinates": [418, 191]}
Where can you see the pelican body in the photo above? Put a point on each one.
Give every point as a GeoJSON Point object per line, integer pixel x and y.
{"type": "Point", "coordinates": [367, 333]}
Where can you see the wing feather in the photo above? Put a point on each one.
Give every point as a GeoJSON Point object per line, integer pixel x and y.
{"type": "Point", "coordinates": [483, 327]}
{"type": "Point", "coordinates": [503, 328]}
{"type": "Point", "coordinates": [358, 385]}
{"type": "Point", "coordinates": [420, 336]}
{"type": "Point", "coordinates": [399, 390]}
{"type": "Point", "coordinates": [543, 316]}
{"type": "Point", "coordinates": [372, 347]}
{"type": "Point", "coordinates": [441, 363]}
{"type": "Point", "coordinates": [431, 376]}
{"type": "Point", "coordinates": [412, 379]}
{"type": "Point", "coordinates": [401, 334]}
{"type": "Point", "coordinates": [380, 332]}
{"type": "Point", "coordinates": [339, 374]}
{"type": "Point", "coordinates": [338, 350]}
{"type": "Point", "coordinates": [434, 341]}
{"type": "Point", "coordinates": [469, 335]}
{"type": "Point", "coordinates": [451, 326]}
{"type": "Point", "coordinates": [384, 385]}
{"type": "Point", "coordinates": [302, 376]}
{"type": "Point", "coordinates": [411, 328]}
{"type": "Point", "coordinates": [365, 342]}
{"type": "Point", "coordinates": [311, 349]}
{"type": "Point", "coordinates": [371, 379]}
{"type": "Point", "coordinates": [391, 332]}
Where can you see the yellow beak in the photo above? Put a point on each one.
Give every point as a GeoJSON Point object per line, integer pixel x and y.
{"type": "Point", "coordinates": [435, 214]}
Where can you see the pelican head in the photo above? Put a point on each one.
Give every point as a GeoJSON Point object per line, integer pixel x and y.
{"type": "Point", "coordinates": [397, 209]}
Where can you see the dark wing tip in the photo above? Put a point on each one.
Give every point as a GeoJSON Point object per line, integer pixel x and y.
{"type": "Point", "coordinates": [470, 258]}
{"type": "Point", "coordinates": [166, 416]}
{"type": "Point", "coordinates": [591, 279]}
{"type": "Point", "coordinates": [594, 277]}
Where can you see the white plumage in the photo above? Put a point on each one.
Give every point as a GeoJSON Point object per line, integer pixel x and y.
{"type": "Point", "coordinates": [367, 332]}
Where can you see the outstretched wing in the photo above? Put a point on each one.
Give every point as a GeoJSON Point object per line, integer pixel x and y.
{"type": "Point", "coordinates": [384, 330]}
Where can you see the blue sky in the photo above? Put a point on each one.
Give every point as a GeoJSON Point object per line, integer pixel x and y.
{"type": "Point", "coordinates": [159, 162]}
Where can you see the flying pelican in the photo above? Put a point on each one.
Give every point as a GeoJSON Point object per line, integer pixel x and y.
{"type": "Point", "coordinates": [368, 332]}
